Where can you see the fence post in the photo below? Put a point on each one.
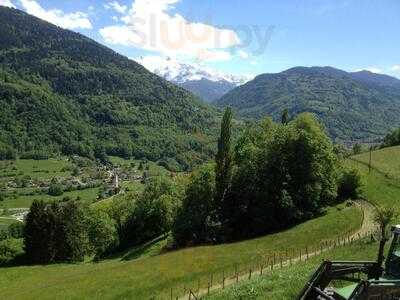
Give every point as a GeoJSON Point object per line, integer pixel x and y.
{"type": "Point", "coordinates": [211, 279]}
{"type": "Point", "coordinates": [261, 269]}
{"type": "Point", "coordinates": [250, 273]}
{"type": "Point", "coordinates": [236, 272]}
{"type": "Point", "coordinates": [223, 279]}
{"type": "Point", "coordinates": [306, 253]}
{"type": "Point", "coordinates": [208, 288]}
{"type": "Point", "coordinates": [171, 295]}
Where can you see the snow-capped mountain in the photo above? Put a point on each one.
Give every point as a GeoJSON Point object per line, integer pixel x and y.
{"type": "Point", "coordinates": [204, 82]}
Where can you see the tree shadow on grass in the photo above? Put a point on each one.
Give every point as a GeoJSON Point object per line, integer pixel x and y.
{"type": "Point", "coordinates": [151, 248]}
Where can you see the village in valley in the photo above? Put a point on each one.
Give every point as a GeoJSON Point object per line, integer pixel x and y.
{"type": "Point", "coordinates": [68, 178]}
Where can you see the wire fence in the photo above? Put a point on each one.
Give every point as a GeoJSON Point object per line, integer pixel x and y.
{"type": "Point", "coordinates": [207, 284]}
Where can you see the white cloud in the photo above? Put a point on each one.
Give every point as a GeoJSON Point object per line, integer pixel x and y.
{"type": "Point", "coordinates": [115, 5]}
{"type": "Point", "coordinates": [7, 3]}
{"type": "Point", "coordinates": [371, 69]}
{"type": "Point", "coordinates": [396, 68]}
{"type": "Point", "coordinates": [151, 25]}
{"type": "Point", "coordinates": [243, 54]}
{"type": "Point", "coordinates": [58, 17]}
{"type": "Point", "coordinates": [213, 55]}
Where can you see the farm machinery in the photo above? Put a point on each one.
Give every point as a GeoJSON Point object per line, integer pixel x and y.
{"type": "Point", "coordinates": [358, 280]}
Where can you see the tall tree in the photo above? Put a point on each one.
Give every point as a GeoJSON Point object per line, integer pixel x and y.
{"type": "Point", "coordinates": [223, 161]}
{"type": "Point", "coordinates": [285, 116]}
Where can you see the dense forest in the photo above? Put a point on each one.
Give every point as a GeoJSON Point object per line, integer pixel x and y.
{"type": "Point", "coordinates": [354, 107]}
{"type": "Point", "coordinates": [61, 92]}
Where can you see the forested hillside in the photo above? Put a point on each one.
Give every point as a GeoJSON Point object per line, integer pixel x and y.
{"type": "Point", "coordinates": [359, 106]}
{"type": "Point", "coordinates": [61, 92]}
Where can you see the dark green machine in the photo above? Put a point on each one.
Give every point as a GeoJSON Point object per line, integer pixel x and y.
{"type": "Point", "coordinates": [364, 279]}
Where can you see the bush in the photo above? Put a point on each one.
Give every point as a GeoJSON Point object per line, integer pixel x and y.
{"type": "Point", "coordinates": [6, 152]}
{"type": "Point", "coordinates": [103, 233]}
{"type": "Point", "coordinates": [170, 164]}
{"type": "Point", "coordinates": [10, 249]}
{"type": "Point", "coordinates": [391, 139]}
{"type": "Point", "coordinates": [16, 230]}
{"type": "Point", "coordinates": [55, 189]}
{"type": "Point", "coordinates": [194, 221]}
{"type": "Point", "coordinates": [152, 214]}
{"type": "Point", "coordinates": [350, 184]}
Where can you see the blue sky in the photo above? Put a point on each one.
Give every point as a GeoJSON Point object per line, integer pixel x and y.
{"type": "Point", "coordinates": [239, 37]}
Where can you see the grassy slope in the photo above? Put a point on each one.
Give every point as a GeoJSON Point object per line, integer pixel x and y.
{"type": "Point", "coordinates": [25, 201]}
{"type": "Point", "coordinates": [151, 275]}
{"type": "Point", "coordinates": [382, 186]}
{"type": "Point", "coordinates": [286, 283]}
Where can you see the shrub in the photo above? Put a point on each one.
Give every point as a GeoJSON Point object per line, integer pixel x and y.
{"type": "Point", "coordinates": [193, 223]}
{"type": "Point", "coordinates": [6, 152]}
{"type": "Point", "coordinates": [55, 189]}
{"type": "Point", "coordinates": [103, 233]}
{"type": "Point", "coordinates": [10, 249]}
{"type": "Point", "coordinates": [350, 184]}
{"type": "Point", "coordinates": [16, 230]}
{"type": "Point", "coordinates": [152, 214]}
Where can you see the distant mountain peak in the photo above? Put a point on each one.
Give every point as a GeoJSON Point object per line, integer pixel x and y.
{"type": "Point", "coordinates": [181, 72]}
{"type": "Point", "coordinates": [202, 81]}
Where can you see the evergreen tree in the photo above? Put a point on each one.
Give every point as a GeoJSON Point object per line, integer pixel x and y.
{"type": "Point", "coordinates": [223, 167]}
{"type": "Point", "coordinates": [36, 234]}
{"type": "Point", "coordinates": [285, 116]}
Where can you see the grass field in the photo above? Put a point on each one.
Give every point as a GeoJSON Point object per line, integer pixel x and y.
{"type": "Point", "coordinates": [142, 273]}
{"type": "Point", "coordinates": [385, 161]}
{"type": "Point", "coordinates": [152, 168]}
{"type": "Point", "coordinates": [287, 283]}
{"type": "Point", "coordinates": [381, 186]}
{"type": "Point", "coordinates": [89, 195]}
{"type": "Point", "coordinates": [41, 169]}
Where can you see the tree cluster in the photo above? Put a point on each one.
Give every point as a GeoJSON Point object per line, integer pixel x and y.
{"type": "Point", "coordinates": [66, 232]}
{"type": "Point", "coordinates": [272, 177]}
{"type": "Point", "coordinates": [391, 139]}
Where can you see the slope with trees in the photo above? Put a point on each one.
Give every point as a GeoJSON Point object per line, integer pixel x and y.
{"type": "Point", "coordinates": [359, 106]}
{"type": "Point", "coordinates": [61, 92]}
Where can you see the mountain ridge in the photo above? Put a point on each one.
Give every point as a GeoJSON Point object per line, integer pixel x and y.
{"type": "Point", "coordinates": [354, 106]}
{"type": "Point", "coordinates": [65, 93]}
